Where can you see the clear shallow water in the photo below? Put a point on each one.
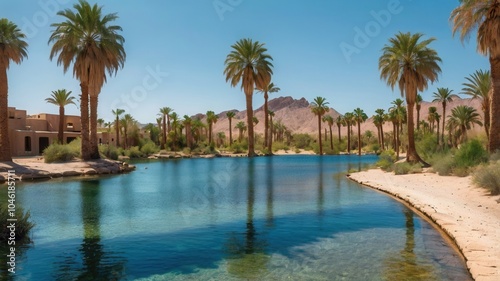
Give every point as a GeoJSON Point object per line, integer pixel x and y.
{"type": "Point", "coordinates": [272, 218]}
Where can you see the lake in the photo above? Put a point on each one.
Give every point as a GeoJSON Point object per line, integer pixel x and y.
{"type": "Point", "coordinates": [266, 218]}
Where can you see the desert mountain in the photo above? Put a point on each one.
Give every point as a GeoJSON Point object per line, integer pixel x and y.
{"type": "Point", "coordinates": [296, 115]}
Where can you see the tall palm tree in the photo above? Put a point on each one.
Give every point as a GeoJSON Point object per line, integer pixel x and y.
{"type": "Point", "coordinates": [319, 107]}
{"type": "Point", "coordinates": [165, 113]}
{"type": "Point", "coordinates": [482, 15]}
{"type": "Point", "coordinates": [211, 120]}
{"type": "Point", "coordinates": [188, 121]}
{"type": "Point", "coordinates": [418, 105]}
{"type": "Point", "coordinates": [478, 86]}
{"type": "Point", "coordinates": [88, 40]}
{"type": "Point", "coordinates": [329, 120]}
{"type": "Point", "coordinates": [270, 88]}
{"type": "Point", "coordinates": [12, 48]}
{"type": "Point", "coordinates": [117, 113]}
{"type": "Point", "coordinates": [348, 121]}
{"type": "Point", "coordinates": [339, 121]}
{"type": "Point", "coordinates": [379, 120]}
{"type": "Point", "coordinates": [409, 63]}
{"type": "Point", "coordinates": [241, 127]}
{"type": "Point", "coordinates": [443, 95]}
{"type": "Point", "coordinates": [431, 117]}
{"type": "Point", "coordinates": [175, 125]}
{"type": "Point", "coordinates": [125, 122]}
{"type": "Point", "coordinates": [248, 64]}
{"type": "Point", "coordinates": [230, 115]}
{"type": "Point", "coordinates": [61, 98]}
{"type": "Point", "coordinates": [464, 117]}
{"type": "Point", "coordinates": [398, 112]}
{"type": "Point", "coordinates": [360, 117]}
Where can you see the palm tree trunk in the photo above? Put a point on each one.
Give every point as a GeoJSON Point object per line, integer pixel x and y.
{"type": "Point", "coordinates": [444, 122]}
{"type": "Point", "coordinates": [188, 135]}
{"type": "Point", "coordinates": [397, 141]}
{"type": "Point", "coordinates": [378, 136]}
{"type": "Point", "coordinates": [319, 135]}
{"type": "Point", "coordinates": [359, 138]}
{"type": "Point", "coordinates": [348, 139]}
{"type": "Point", "coordinates": [331, 138]}
{"type": "Point", "coordinates": [60, 136]}
{"type": "Point", "coordinates": [270, 143]}
{"type": "Point", "coordinates": [251, 146]}
{"type": "Point", "coordinates": [5, 153]}
{"type": "Point", "coordinates": [169, 127]}
{"type": "Point", "coordinates": [84, 117]}
{"type": "Point", "coordinates": [209, 133]}
{"type": "Point", "coordinates": [439, 144]}
{"type": "Point", "coordinates": [412, 155]}
{"type": "Point", "coordinates": [487, 121]}
{"type": "Point", "coordinates": [382, 136]}
{"type": "Point", "coordinates": [164, 132]}
{"type": "Point", "coordinates": [94, 149]}
{"type": "Point", "coordinates": [418, 117]}
{"type": "Point", "coordinates": [266, 121]}
{"type": "Point", "coordinates": [340, 137]}
{"type": "Point", "coordinates": [494, 140]}
{"type": "Point", "coordinates": [230, 132]}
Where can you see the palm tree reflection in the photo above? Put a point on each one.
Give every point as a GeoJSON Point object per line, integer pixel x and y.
{"type": "Point", "coordinates": [247, 259]}
{"type": "Point", "coordinates": [407, 265]}
{"type": "Point", "coordinates": [270, 192]}
{"type": "Point", "coordinates": [321, 195]}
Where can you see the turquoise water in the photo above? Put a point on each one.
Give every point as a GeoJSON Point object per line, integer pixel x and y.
{"type": "Point", "coordinates": [268, 218]}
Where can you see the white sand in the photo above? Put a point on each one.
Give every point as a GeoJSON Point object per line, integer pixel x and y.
{"type": "Point", "coordinates": [469, 215]}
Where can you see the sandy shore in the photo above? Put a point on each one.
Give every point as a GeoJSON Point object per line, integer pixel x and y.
{"type": "Point", "coordinates": [469, 215]}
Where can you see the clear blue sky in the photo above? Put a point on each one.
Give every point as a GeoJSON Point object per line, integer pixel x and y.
{"type": "Point", "coordinates": [184, 44]}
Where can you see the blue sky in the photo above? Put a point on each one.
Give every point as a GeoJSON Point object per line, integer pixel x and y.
{"type": "Point", "coordinates": [176, 51]}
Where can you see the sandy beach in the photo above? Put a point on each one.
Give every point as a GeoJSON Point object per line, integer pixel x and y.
{"type": "Point", "coordinates": [467, 214]}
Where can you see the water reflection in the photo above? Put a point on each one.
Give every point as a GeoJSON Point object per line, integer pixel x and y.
{"type": "Point", "coordinates": [96, 263]}
{"type": "Point", "coordinates": [247, 259]}
{"type": "Point", "coordinates": [269, 192]}
{"type": "Point", "coordinates": [406, 265]}
{"type": "Point", "coordinates": [321, 193]}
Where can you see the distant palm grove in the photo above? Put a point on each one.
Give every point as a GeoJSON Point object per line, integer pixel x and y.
{"type": "Point", "coordinates": [87, 42]}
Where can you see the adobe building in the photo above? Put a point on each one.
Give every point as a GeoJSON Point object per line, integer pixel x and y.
{"type": "Point", "coordinates": [29, 135]}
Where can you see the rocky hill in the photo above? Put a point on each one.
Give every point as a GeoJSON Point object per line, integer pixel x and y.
{"type": "Point", "coordinates": [296, 115]}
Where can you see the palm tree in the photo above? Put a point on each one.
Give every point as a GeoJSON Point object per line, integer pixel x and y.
{"type": "Point", "coordinates": [61, 98]}
{"type": "Point", "coordinates": [241, 127]}
{"type": "Point", "coordinates": [360, 117]}
{"type": "Point", "coordinates": [230, 115]}
{"type": "Point", "coordinates": [339, 121]}
{"type": "Point", "coordinates": [107, 125]}
{"type": "Point", "coordinates": [443, 95]}
{"type": "Point", "coordinates": [379, 120]}
{"type": "Point", "coordinates": [89, 41]}
{"type": "Point", "coordinates": [12, 48]}
{"type": "Point", "coordinates": [188, 121]}
{"type": "Point", "coordinates": [482, 15]}
{"type": "Point", "coordinates": [175, 125]}
{"type": "Point", "coordinates": [211, 119]}
{"type": "Point", "coordinates": [248, 64]}
{"type": "Point", "coordinates": [319, 107]}
{"type": "Point", "coordinates": [431, 117]}
{"type": "Point", "coordinates": [398, 112]}
{"type": "Point", "coordinates": [117, 113]}
{"type": "Point", "coordinates": [409, 63]}
{"type": "Point", "coordinates": [271, 129]}
{"type": "Point", "coordinates": [418, 105]}
{"type": "Point", "coordinates": [165, 113]}
{"type": "Point", "coordinates": [270, 88]}
{"type": "Point", "coordinates": [478, 86]}
{"type": "Point", "coordinates": [464, 117]}
{"type": "Point", "coordinates": [329, 120]}
{"type": "Point", "coordinates": [126, 121]}
{"type": "Point", "coordinates": [348, 121]}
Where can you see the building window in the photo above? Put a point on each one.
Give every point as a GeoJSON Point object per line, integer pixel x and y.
{"type": "Point", "coordinates": [27, 144]}
{"type": "Point", "coordinates": [69, 126]}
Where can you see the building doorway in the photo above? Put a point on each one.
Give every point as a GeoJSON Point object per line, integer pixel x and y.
{"type": "Point", "coordinates": [43, 143]}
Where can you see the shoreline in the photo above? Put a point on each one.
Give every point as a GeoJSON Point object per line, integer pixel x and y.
{"type": "Point", "coordinates": [469, 216]}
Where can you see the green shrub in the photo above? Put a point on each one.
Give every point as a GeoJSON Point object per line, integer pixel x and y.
{"type": "Point", "coordinates": [443, 164]}
{"type": "Point", "coordinates": [406, 168]}
{"type": "Point", "coordinates": [470, 154]}
{"type": "Point", "coordinates": [149, 148]}
{"type": "Point", "coordinates": [488, 176]}
{"type": "Point", "coordinates": [23, 224]}
{"type": "Point", "coordinates": [386, 160]}
{"type": "Point", "coordinates": [279, 145]}
{"type": "Point", "coordinates": [302, 141]}
{"type": "Point", "coordinates": [237, 147]}
{"type": "Point", "coordinates": [133, 152]}
{"type": "Point", "coordinates": [60, 153]}
{"type": "Point", "coordinates": [110, 151]}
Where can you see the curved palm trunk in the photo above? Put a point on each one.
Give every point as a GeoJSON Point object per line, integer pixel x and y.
{"type": "Point", "coordinates": [5, 153]}
{"type": "Point", "coordinates": [251, 146]}
{"type": "Point", "coordinates": [359, 139]}
{"type": "Point", "coordinates": [230, 132]}
{"type": "Point", "coordinates": [266, 121]}
{"type": "Point", "coordinates": [270, 142]}
{"type": "Point", "coordinates": [494, 140]}
{"type": "Point", "coordinates": [164, 132]}
{"type": "Point", "coordinates": [94, 149]}
{"type": "Point", "coordinates": [319, 136]}
{"type": "Point", "coordinates": [331, 137]}
{"type": "Point", "coordinates": [60, 133]}
{"type": "Point", "coordinates": [444, 123]}
{"type": "Point", "coordinates": [84, 117]}
{"type": "Point", "coordinates": [117, 128]}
